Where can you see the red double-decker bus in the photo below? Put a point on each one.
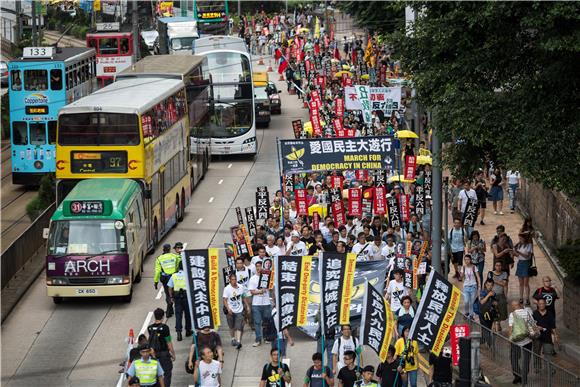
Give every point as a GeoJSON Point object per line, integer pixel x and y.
{"type": "Point", "coordinates": [114, 51]}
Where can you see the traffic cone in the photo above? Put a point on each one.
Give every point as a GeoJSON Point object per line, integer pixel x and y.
{"type": "Point", "coordinates": [261, 62]}
{"type": "Point", "coordinates": [269, 66]}
{"type": "Point", "coordinates": [131, 340]}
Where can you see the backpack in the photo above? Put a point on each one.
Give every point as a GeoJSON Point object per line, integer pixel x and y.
{"type": "Point", "coordinates": [354, 340]}
{"type": "Point", "coordinates": [155, 340]}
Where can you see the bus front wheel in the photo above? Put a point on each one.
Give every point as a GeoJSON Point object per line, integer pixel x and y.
{"type": "Point", "coordinates": [128, 297]}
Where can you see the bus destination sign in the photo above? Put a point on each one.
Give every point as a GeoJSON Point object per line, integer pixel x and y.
{"type": "Point", "coordinates": [33, 110]}
{"type": "Point", "coordinates": [87, 207]}
{"type": "Point", "coordinates": [99, 162]}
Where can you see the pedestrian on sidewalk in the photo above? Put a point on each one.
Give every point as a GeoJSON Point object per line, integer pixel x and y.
{"type": "Point", "coordinates": [457, 240]}
{"type": "Point", "coordinates": [521, 349]}
{"type": "Point", "coordinates": [503, 253]}
{"type": "Point", "coordinates": [261, 304]}
{"type": "Point", "coordinates": [487, 310]}
{"type": "Point", "coordinates": [497, 191]}
{"type": "Point", "coordinates": [548, 293]}
{"type": "Point", "coordinates": [524, 251]}
{"type": "Point", "coordinates": [471, 285]}
{"type": "Point", "coordinates": [500, 288]}
{"type": "Point", "coordinates": [513, 180]}
{"type": "Point", "coordinates": [234, 306]}
{"type": "Point", "coordinates": [544, 345]}
{"type": "Point", "coordinates": [476, 247]}
{"type": "Point", "coordinates": [481, 192]}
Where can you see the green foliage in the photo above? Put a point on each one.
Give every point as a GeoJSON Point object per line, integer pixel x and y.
{"type": "Point", "coordinates": [46, 196]}
{"type": "Point", "coordinates": [376, 16]}
{"type": "Point", "coordinates": [568, 257]}
{"type": "Point", "coordinates": [500, 75]}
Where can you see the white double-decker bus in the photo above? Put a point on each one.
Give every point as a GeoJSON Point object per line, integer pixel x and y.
{"type": "Point", "coordinates": [232, 120]}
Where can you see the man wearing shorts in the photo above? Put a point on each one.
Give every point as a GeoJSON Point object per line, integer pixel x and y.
{"type": "Point", "coordinates": [234, 306]}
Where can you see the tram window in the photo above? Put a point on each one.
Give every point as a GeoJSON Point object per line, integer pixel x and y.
{"type": "Point", "coordinates": [19, 136]}
{"type": "Point", "coordinates": [56, 79]}
{"type": "Point", "coordinates": [124, 45]}
{"type": "Point", "coordinates": [52, 132]}
{"type": "Point", "coordinates": [37, 133]}
{"type": "Point", "coordinates": [16, 80]}
{"type": "Point", "coordinates": [108, 46]}
{"type": "Point", "coordinates": [92, 43]}
{"type": "Point", "coordinates": [69, 79]}
{"type": "Point", "coordinates": [35, 80]}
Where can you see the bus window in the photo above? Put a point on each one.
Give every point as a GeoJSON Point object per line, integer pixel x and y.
{"type": "Point", "coordinates": [124, 45]}
{"type": "Point", "coordinates": [37, 133]}
{"type": "Point", "coordinates": [52, 132]}
{"type": "Point", "coordinates": [69, 79]}
{"type": "Point", "coordinates": [155, 189]}
{"type": "Point", "coordinates": [98, 129]}
{"type": "Point", "coordinates": [16, 80]}
{"type": "Point", "coordinates": [108, 46]}
{"type": "Point", "coordinates": [92, 43]}
{"type": "Point", "coordinates": [56, 79]}
{"type": "Point", "coordinates": [35, 80]}
{"type": "Point", "coordinates": [19, 136]}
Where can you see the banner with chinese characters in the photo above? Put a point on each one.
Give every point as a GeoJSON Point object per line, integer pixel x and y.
{"type": "Point", "coordinates": [394, 214]}
{"type": "Point", "coordinates": [288, 183]}
{"type": "Point", "coordinates": [265, 279]}
{"type": "Point", "coordinates": [301, 203]}
{"type": "Point", "coordinates": [361, 153]}
{"type": "Point", "coordinates": [251, 221]}
{"type": "Point", "coordinates": [380, 201]}
{"type": "Point", "coordinates": [355, 202]}
{"type": "Point", "coordinates": [339, 108]}
{"type": "Point", "coordinates": [292, 290]}
{"type": "Point", "coordinates": [337, 206]}
{"type": "Point", "coordinates": [410, 165]}
{"type": "Point", "coordinates": [428, 182]}
{"type": "Point", "coordinates": [470, 214]}
{"type": "Point", "coordinates": [376, 327]}
{"type": "Point", "coordinates": [436, 313]}
{"type": "Point", "coordinates": [202, 283]}
{"type": "Point", "coordinates": [336, 276]}
{"type": "Point", "coordinates": [363, 96]}
{"type": "Point", "coordinates": [262, 202]}
{"type": "Point", "coordinates": [457, 331]}
{"type": "Point", "coordinates": [297, 128]}
{"type": "Point", "coordinates": [420, 200]}
{"type": "Point", "coordinates": [404, 206]}
{"type": "Point", "coordinates": [386, 99]}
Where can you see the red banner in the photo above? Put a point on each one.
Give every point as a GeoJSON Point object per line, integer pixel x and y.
{"type": "Point", "coordinates": [316, 125]}
{"type": "Point", "coordinates": [339, 108]}
{"type": "Point", "coordinates": [355, 202]}
{"type": "Point", "coordinates": [410, 165]}
{"type": "Point", "coordinates": [315, 96]}
{"type": "Point", "coordinates": [337, 123]}
{"type": "Point", "coordinates": [314, 104]}
{"type": "Point", "coordinates": [344, 78]}
{"type": "Point", "coordinates": [338, 213]}
{"type": "Point", "coordinates": [307, 65]}
{"type": "Point", "coordinates": [348, 82]}
{"type": "Point", "coordinates": [320, 80]}
{"type": "Point", "coordinates": [315, 221]}
{"type": "Point", "coordinates": [362, 174]}
{"type": "Point", "coordinates": [404, 207]}
{"type": "Point", "coordinates": [336, 182]}
{"type": "Point", "coordinates": [301, 204]}
{"type": "Point", "coordinates": [457, 331]}
{"type": "Point", "coordinates": [380, 202]}
{"type": "Point", "coordinates": [345, 133]}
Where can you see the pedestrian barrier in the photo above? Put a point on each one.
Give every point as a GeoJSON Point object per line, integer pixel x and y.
{"type": "Point", "coordinates": [534, 369]}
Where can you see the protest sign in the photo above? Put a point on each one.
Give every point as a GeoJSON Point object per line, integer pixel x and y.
{"type": "Point", "coordinates": [301, 204]}
{"type": "Point", "coordinates": [410, 165]}
{"type": "Point", "coordinates": [419, 200]}
{"type": "Point", "coordinates": [428, 182]}
{"type": "Point", "coordinates": [336, 283]}
{"type": "Point", "coordinates": [393, 212]}
{"type": "Point", "coordinates": [262, 202]}
{"type": "Point", "coordinates": [386, 99]}
{"type": "Point", "coordinates": [251, 220]}
{"type": "Point", "coordinates": [380, 201]}
{"type": "Point", "coordinates": [355, 202]}
{"type": "Point", "coordinates": [362, 93]}
{"type": "Point", "coordinates": [377, 324]}
{"type": "Point", "coordinates": [457, 331]}
{"type": "Point", "coordinates": [470, 214]}
{"type": "Point", "coordinates": [292, 290]}
{"type": "Point", "coordinates": [202, 284]}
{"type": "Point", "coordinates": [297, 128]}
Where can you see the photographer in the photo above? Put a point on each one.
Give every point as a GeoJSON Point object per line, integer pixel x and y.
{"type": "Point", "coordinates": [487, 309]}
{"type": "Point", "coordinates": [440, 371]}
{"type": "Point", "coordinates": [410, 350]}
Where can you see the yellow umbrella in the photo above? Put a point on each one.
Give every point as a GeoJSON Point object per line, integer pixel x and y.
{"type": "Point", "coordinates": [339, 74]}
{"type": "Point", "coordinates": [365, 77]}
{"type": "Point", "coordinates": [400, 179]}
{"type": "Point", "coordinates": [406, 134]}
{"type": "Point", "coordinates": [308, 127]}
{"type": "Point", "coordinates": [424, 160]}
{"type": "Point", "coordinates": [346, 67]}
{"type": "Point", "coordinates": [303, 30]}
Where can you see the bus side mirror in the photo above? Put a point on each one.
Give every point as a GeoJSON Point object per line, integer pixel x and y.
{"type": "Point", "coordinates": [147, 194]}
{"type": "Point", "coordinates": [45, 233]}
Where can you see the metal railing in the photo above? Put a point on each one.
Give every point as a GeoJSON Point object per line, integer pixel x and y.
{"type": "Point", "coordinates": [534, 368]}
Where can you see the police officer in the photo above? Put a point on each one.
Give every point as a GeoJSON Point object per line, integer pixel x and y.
{"type": "Point", "coordinates": [165, 266]}
{"type": "Point", "coordinates": [146, 370]}
{"type": "Point", "coordinates": [177, 291]}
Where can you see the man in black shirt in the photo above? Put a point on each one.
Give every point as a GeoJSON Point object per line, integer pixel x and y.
{"type": "Point", "coordinates": [350, 373]}
{"type": "Point", "coordinates": [387, 371]}
{"type": "Point", "coordinates": [547, 324]}
{"type": "Point", "coordinates": [160, 342]}
{"type": "Point", "coordinates": [440, 369]}
{"type": "Point", "coordinates": [274, 374]}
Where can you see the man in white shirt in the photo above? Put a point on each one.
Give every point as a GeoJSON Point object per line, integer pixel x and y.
{"type": "Point", "coordinates": [345, 342]}
{"type": "Point", "coordinates": [396, 290]}
{"type": "Point", "coordinates": [260, 257]}
{"type": "Point", "coordinates": [513, 180]}
{"type": "Point", "coordinates": [463, 198]}
{"type": "Point", "coordinates": [271, 249]}
{"type": "Point", "coordinates": [232, 297]}
{"type": "Point", "coordinates": [207, 371]}
{"type": "Point", "coordinates": [377, 247]}
{"type": "Point", "coordinates": [296, 247]}
{"type": "Point", "coordinates": [363, 249]}
{"type": "Point", "coordinates": [261, 304]}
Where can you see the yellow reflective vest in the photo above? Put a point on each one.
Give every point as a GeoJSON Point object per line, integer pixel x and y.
{"type": "Point", "coordinates": [146, 371]}
{"type": "Point", "coordinates": [178, 281]}
{"type": "Point", "coordinates": [167, 264]}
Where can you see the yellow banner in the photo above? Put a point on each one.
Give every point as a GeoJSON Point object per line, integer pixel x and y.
{"type": "Point", "coordinates": [347, 285]}
{"type": "Point", "coordinates": [304, 290]}
{"type": "Point", "coordinates": [447, 321]}
{"type": "Point", "coordinates": [247, 239]}
{"type": "Point", "coordinates": [389, 326]}
{"type": "Point", "coordinates": [214, 285]}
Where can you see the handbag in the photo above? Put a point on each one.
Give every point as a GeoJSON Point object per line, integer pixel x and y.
{"type": "Point", "coordinates": [519, 328]}
{"type": "Point", "coordinates": [533, 329]}
{"type": "Point", "coordinates": [532, 270]}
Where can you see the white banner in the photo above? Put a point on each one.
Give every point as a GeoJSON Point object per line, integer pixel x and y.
{"type": "Point", "coordinates": [386, 99]}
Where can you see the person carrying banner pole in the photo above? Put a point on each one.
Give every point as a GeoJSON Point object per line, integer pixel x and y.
{"type": "Point", "coordinates": [400, 367]}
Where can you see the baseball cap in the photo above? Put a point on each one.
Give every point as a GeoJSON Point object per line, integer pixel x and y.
{"type": "Point", "coordinates": [178, 245]}
{"type": "Point", "coordinates": [369, 368]}
{"type": "Point", "coordinates": [295, 234]}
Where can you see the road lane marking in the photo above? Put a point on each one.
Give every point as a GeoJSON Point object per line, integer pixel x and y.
{"type": "Point", "coordinates": [210, 200]}
{"type": "Point", "coordinates": [221, 181]}
{"type": "Point", "coordinates": [159, 294]}
{"type": "Point", "coordinates": [145, 323]}
{"type": "Point", "coordinates": [199, 220]}
{"type": "Point", "coordinates": [230, 165]}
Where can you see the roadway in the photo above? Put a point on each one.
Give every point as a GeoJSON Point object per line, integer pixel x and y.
{"type": "Point", "coordinates": [81, 342]}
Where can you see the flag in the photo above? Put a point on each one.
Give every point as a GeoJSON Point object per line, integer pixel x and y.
{"type": "Point", "coordinates": [368, 51]}
{"type": "Point", "coordinates": [277, 53]}
{"type": "Point", "coordinates": [317, 28]}
{"type": "Point", "coordinates": [202, 283]}
{"type": "Point", "coordinates": [336, 284]}
{"type": "Point", "coordinates": [377, 324]}
{"type": "Point", "coordinates": [292, 277]}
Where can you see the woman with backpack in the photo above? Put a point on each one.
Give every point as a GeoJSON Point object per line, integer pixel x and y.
{"type": "Point", "coordinates": [487, 309]}
{"type": "Point", "coordinates": [471, 284]}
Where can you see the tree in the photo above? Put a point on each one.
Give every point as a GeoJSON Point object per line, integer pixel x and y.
{"type": "Point", "coordinates": [501, 76]}
{"type": "Point", "coordinates": [384, 17]}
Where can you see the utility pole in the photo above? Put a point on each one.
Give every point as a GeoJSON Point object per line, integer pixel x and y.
{"type": "Point", "coordinates": [34, 33]}
{"type": "Point", "coordinates": [18, 31]}
{"type": "Point", "coordinates": [437, 202]}
{"type": "Point", "coordinates": [136, 37]}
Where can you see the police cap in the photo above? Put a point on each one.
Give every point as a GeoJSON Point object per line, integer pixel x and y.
{"type": "Point", "coordinates": [166, 247]}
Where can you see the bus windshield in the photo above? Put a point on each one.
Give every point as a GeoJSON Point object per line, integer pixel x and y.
{"type": "Point", "coordinates": [98, 129]}
{"type": "Point", "coordinates": [228, 67]}
{"type": "Point", "coordinates": [232, 111]}
{"type": "Point", "coordinates": [86, 237]}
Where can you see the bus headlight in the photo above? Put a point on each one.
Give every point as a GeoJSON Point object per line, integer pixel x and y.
{"type": "Point", "coordinates": [38, 164]}
{"type": "Point", "coordinates": [118, 280]}
{"type": "Point", "coordinates": [249, 140]}
{"type": "Point", "coordinates": [56, 281]}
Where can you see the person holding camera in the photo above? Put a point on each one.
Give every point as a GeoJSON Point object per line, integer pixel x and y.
{"type": "Point", "coordinates": [440, 369]}
{"type": "Point", "coordinates": [487, 309]}
{"type": "Point", "coordinates": [409, 350]}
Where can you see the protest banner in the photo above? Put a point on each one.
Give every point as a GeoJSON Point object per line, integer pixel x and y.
{"type": "Point", "coordinates": [362, 93]}
{"type": "Point", "coordinates": [457, 331]}
{"type": "Point", "coordinates": [386, 99]}
{"type": "Point", "coordinates": [393, 212]}
{"type": "Point", "coordinates": [247, 239]}
{"type": "Point", "coordinates": [404, 207]}
{"type": "Point", "coordinates": [361, 174]}
{"type": "Point", "coordinates": [428, 182]}
{"type": "Point", "coordinates": [297, 128]}
{"type": "Point", "coordinates": [231, 254]}
{"type": "Point", "coordinates": [367, 202]}
{"type": "Point", "coordinates": [355, 202]}
{"type": "Point", "coordinates": [337, 125]}
{"type": "Point", "coordinates": [336, 182]}
{"type": "Point", "coordinates": [239, 215]}
{"type": "Point", "coordinates": [470, 214]}
{"type": "Point", "coordinates": [380, 206]}
{"type": "Point", "coordinates": [345, 133]}
{"type": "Point", "coordinates": [339, 108]}
{"type": "Point", "coordinates": [226, 271]}
{"type": "Point", "coordinates": [239, 240]}
{"type": "Point", "coordinates": [301, 204]}
{"type": "Point", "coordinates": [419, 200]}
{"type": "Point", "coordinates": [377, 323]}
{"type": "Point", "coordinates": [310, 155]}
{"type": "Point", "coordinates": [380, 178]}
{"type": "Point", "coordinates": [262, 202]}
{"type": "Point", "coordinates": [202, 283]}
{"type": "Point", "coordinates": [410, 165]}
{"type": "Point", "coordinates": [265, 280]}
{"type": "Point", "coordinates": [251, 221]}
{"type": "Point", "coordinates": [288, 183]}
{"type": "Point", "coordinates": [315, 221]}
{"type": "Point", "coordinates": [436, 313]}
{"type": "Point", "coordinates": [337, 207]}
{"type": "Point", "coordinates": [336, 276]}
{"type": "Point", "coordinates": [292, 290]}
{"type": "Point", "coordinates": [315, 120]}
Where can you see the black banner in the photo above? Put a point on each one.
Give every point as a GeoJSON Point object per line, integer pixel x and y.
{"type": "Point", "coordinates": [380, 178]}
{"type": "Point", "coordinates": [251, 219]}
{"type": "Point", "coordinates": [377, 322]}
{"type": "Point", "coordinates": [420, 200]}
{"type": "Point", "coordinates": [202, 280]}
{"type": "Point", "coordinates": [470, 214]}
{"type": "Point", "coordinates": [239, 215]}
{"type": "Point", "coordinates": [226, 271]}
{"type": "Point", "coordinates": [428, 182]}
{"type": "Point", "coordinates": [292, 289]}
{"type": "Point", "coordinates": [394, 214]}
{"type": "Point", "coordinates": [436, 313]}
{"type": "Point", "coordinates": [362, 153]}
{"type": "Point", "coordinates": [336, 281]}
{"type": "Point", "coordinates": [262, 202]}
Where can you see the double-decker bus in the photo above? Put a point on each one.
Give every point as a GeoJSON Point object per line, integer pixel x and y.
{"type": "Point", "coordinates": [97, 240]}
{"type": "Point", "coordinates": [212, 17]}
{"type": "Point", "coordinates": [114, 51]}
{"type": "Point", "coordinates": [232, 122]}
{"type": "Point", "coordinates": [192, 70]}
{"type": "Point", "coordinates": [135, 128]}
{"type": "Point", "coordinates": [42, 81]}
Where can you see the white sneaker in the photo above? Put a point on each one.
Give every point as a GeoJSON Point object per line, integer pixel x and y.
{"type": "Point", "coordinates": [257, 344]}
{"type": "Point", "coordinates": [495, 212]}
{"type": "Point", "coordinates": [501, 212]}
